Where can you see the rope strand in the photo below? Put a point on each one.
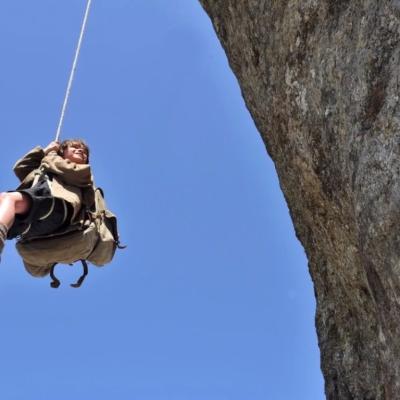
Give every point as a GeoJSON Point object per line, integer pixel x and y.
{"type": "Point", "coordinates": [72, 74]}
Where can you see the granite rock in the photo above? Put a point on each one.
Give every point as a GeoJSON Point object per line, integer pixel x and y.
{"type": "Point", "coordinates": [321, 81]}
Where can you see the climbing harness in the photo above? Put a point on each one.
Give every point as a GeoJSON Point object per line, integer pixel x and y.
{"type": "Point", "coordinates": [72, 74]}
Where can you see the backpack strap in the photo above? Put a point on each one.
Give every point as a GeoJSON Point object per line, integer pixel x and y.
{"type": "Point", "coordinates": [55, 283]}
{"type": "Point", "coordinates": [119, 245]}
{"type": "Point", "coordinates": [83, 276]}
{"type": "Point", "coordinates": [100, 209]}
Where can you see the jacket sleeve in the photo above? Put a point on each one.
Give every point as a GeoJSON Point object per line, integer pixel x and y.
{"type": "Point", "coordinates": [71, 173]}
{"type": "Point", "coordinates": [28, 163]}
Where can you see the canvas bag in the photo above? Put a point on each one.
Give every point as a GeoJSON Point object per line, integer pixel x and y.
{"type": "Point", "coordinates": [95, 241]}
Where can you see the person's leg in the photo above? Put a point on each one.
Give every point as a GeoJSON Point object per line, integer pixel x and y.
{"type": "Point", "coordinates": [11, 203]}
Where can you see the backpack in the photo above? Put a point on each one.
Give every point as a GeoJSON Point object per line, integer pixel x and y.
{"type": "Point", "coordinates": [96, 241]}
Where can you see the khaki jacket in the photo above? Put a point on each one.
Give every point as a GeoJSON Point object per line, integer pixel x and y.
{"type": "Point", "coordinates": [71, 182]}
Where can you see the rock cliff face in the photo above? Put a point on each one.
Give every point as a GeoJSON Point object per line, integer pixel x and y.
{"type": "Point", "coordinates": [321, 81]}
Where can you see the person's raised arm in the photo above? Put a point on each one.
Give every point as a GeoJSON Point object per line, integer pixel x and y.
{"type": "Point", "coordinates": [29, 162]}
{"type": "Point", "coordinates": [52, 148]}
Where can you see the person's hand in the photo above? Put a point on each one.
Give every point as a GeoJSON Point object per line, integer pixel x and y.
{"type": "Point", "coordinates": [53, 146]}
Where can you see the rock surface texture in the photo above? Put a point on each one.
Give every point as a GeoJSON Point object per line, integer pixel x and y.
{"type": "Point", "coordinates": [321, 81]}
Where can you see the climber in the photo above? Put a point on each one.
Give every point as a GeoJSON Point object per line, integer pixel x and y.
{"type": "Point", "coordinates": [57, 214]}
{"type": "Point", "coordinates": [56, 189]}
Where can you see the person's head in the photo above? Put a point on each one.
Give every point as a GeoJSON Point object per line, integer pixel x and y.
{"type": "Point", "coordinates": [75, 150]}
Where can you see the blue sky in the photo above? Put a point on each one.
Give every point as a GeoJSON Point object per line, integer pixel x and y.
{"type": "Point", "coordinates": [212, 300]}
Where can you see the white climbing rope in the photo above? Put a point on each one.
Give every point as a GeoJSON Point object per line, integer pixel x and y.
{"type": "Point", "coordinates": [71, 76]}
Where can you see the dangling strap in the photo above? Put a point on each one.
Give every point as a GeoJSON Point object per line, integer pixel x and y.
{"type": "Point", "coordinates": [119, 245]}
{"type": "Point", "coordinates": [55, 283]}
{"type": "Point", "coordinates": [83, 276]}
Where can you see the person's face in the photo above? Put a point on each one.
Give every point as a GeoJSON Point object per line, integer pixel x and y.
{"type": "Point", "coordinates": [75, 153]}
